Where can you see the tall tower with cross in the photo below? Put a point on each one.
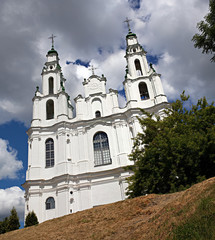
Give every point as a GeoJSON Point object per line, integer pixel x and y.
{"type": "Point", "coordinates": [76, 162]}
{"type": "Point", "coordinates": [52, 97]}
{"type": "Point", "coordinates": [142, 84]}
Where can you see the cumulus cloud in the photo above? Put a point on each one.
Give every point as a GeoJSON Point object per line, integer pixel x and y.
{"type": "Point", "coordinates": [94, 32]}
{"type": "Point", "coordinates": [9, 164]}
{"type": "Point", "coordinates": [9, 198]}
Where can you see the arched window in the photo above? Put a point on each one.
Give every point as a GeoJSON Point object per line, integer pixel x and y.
{"type": "Point", "coordinates": [98, 114]}
{"type": "Point", "coordinates": [50, 109]}
{"type": "Point", "coordinates": [138, 67]}
{"type": "Point", "coordinates": [51, 85]}
{"type": "Point", "coordinates": [144, 94]}
{"type": "Point", "coordinates": [50, 203]}
{"type": "Point", "coordinates": [101, 149]}
{"type": "Point", "coordinates": [49, 152]}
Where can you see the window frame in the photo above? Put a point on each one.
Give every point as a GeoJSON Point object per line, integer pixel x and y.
{"type": "Point", "coordinates": [101, 149]}
{"type": "Point", "coordinates": [138, 68]}
{"type": "Point", "coordinates": [51, 85]}
{"type": "Point", "coordinates": [143, 91]}
{"type": "Point", "coordinates": [49, 153]}
{"type": "Point", "coordinates": [98, 114]}
{"type": "Point", "coordinates": [49, 109]}
{"type": "Point", "coordinates": [50, 203]}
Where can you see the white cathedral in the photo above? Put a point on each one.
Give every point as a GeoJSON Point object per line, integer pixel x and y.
{"type": "Point", "coordinates": [77, 162]}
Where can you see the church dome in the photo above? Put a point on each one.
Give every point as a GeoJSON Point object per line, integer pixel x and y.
{"type": "Point", "coordinates": [52, 51]}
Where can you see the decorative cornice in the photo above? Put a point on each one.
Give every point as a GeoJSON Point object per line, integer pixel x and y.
{"type": "Point", "coordinates": [104, 120]}
{"type": "Point", "coordinates": [73, 178]}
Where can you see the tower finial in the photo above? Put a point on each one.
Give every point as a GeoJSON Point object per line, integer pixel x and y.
{"type": "Point", "coordinates": [52, 38]}
{"type": "Point", "coordinates": [92, 69]}
{"type": "Point", "coordinates": [127, 21]}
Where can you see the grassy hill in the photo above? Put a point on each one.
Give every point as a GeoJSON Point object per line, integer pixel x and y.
{"type": "Point", "coordinates": [184, 215]}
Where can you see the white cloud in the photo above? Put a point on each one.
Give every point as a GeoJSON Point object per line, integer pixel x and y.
{"type": "Point", "coordinates": [168, 33]}
{"type": "Point", "coordinates": [94, 31]}
{"type": "Point", "coordinates": [10, 107]}
{"type": "Point", "coordinates": [9, 198]}
{"type": "Point", "coordinates": [113, 68]}
{"type": "Point", "coordinates": [9, 164]}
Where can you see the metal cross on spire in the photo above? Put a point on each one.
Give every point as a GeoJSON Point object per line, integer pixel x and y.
{"type": "Point", "coordinates": [127, 21]}
{"type": "Point", "coordinates": [92, 69]}
{"type": "Point", "coordinates": [52, 38]}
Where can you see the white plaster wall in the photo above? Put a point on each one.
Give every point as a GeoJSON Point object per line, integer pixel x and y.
{"type": "Point", "coordinates": [96, 104]}
{"type": "Point", "coordinates": [131, 41]}
{"type": "Point", "coordinates": [51, 58]}
{"type": "Point", "coordinates": [104, 193]}
{"type": "Point", "coordinates": [63, 203]}
{"type": "Point", "coordinates": [84, 198]}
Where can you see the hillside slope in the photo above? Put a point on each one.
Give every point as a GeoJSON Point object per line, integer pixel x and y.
{"type": "Point", "coordinates": [146, 217]}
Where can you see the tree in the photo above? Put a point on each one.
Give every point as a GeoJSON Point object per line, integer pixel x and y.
{"type": "Point", "coordinates": [206, 39]}
{"type": "Point", "coordinates": [4, 226]}
{"type": "Point", "coordinates": [13, 222]}
{"type": "Point", "coordinates": [31, 219]}
{"type": "Point", "coordinates": [175, 152]}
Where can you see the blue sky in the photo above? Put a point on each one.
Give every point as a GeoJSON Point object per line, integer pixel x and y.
{"type": "Point", "coordinates": [164, 28]}
{"type": "Point", "coordinates": [18, 142]}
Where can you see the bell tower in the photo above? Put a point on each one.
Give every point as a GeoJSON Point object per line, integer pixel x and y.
{"type": "Point", "coordinates": [52, 77]}
{"type": "Point", "coordinates": [142, 84]}
{"type": "Point", "coordinates": [52, 104]}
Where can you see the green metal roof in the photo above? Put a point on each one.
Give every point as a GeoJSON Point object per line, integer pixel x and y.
{"type": "Point", "coordinates": [130, 34]}
{"type": "Point", "coordinates": [52, 51]}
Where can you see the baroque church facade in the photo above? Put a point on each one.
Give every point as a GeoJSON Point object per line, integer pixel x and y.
{"type": "Point", "coordinates": [77, 162]}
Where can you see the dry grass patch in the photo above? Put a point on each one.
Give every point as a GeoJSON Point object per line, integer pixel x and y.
{"type": "Point", "coordinates": [147, 217]}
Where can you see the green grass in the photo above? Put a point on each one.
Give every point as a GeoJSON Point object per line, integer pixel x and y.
{"type": "Point", "coordinates": [201, 225]}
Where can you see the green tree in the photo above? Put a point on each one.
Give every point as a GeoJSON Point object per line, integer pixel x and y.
{"type": "Point", "coordinates": [13, 222]}
{"type": "Point", "coordinates": [4, 226]}
{"type": "Point", "coordinates": [206, 39]}
{"type": "Point", "coordinates": [175, 152]}
{"type": "Point", "coordinates": [31, 219]}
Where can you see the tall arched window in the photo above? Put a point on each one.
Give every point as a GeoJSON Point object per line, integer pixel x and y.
{"type": "Point", "coordinates": [144, 94]}
{"type": "Point", "coordinates": [50, 109]}
{"type": "Point", "coordinates": [98, 114]}
{"type": "Point", "coordinates": [138, 67]}
{"type": "Point", "coordinates": [49, 152]}
{"type": "Point", "coordinates": [101, 149]}
{"type": "Point", "coordinates": [50, 203]}
{"type": "Point", "coordinates": [51, 85]}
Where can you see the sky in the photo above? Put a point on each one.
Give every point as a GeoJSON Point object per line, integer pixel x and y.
{"type": "Point", "coordinates": [88, 33]}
